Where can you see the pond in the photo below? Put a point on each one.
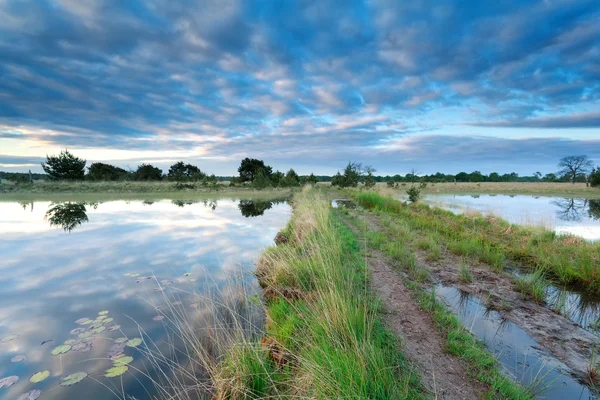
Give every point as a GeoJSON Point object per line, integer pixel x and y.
{"type": "Point", "coordinates": [579, 217]}
{"type": "Point", "coordinates": [82, 282]}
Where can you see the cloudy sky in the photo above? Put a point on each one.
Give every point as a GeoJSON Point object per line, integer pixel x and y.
{"type": "Point", "coordinates": [508, 85]}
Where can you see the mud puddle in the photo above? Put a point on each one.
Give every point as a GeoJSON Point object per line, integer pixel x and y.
{"type": "Point", "coordinates": [521, 357]}
{"type": "Point", "coordinates": [343, 203]}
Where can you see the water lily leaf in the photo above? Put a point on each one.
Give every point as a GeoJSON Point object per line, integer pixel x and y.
{"type": "Point", "coordinates": [71, 342]}
{"type": "Point", "coordinates": [116, 371]}
{"type": "Point", "coordinates": [89, 321]}
{"type": "Point", "coordinates": [33, 395]}
{"type": "Point", "coordinates": [88, 339]}
{"type": "Point", "coordinates": [121, 340]}
{"type": "Point", "coordinates": [62, 349]}
{"type": "Point", "coordinates": [108, 320]}
{"type": "Point", "coordinates": [98, 330]}
{"type": "Point", "coordinates": [82, 347]}
{"type": "Point", "coordinates": [127, 274]}
{"type": "Point", "coordinates": [114, 328]}
{"type": "Point", "coordinates": [134, 342]}
{"type": "Point", "coordinates": [77, 331]}
{"type": "Point", "coordinates": [101, 318]}
{"type": "Point", "coordinates": [96, 325]}
{"type": "Point", "coordinates": [6, 339]}
{"type": "Point", "coordinates": [8, 381]}
{"type": "Point", "coordinates": [73, 379]}
{"type": "Point", "coordinates": [82, 320]}
{"type": "Point", "coordinates": [18, 358]}
{"type": "Point", "coordinates": [39, 376]}
{"type": "Point", "coordinates": [97, 322]}
{"type": "Point", "coordinates": [116, 350]}
{"type": "Point", "coordinates": [103, 312]}
{"type": "Point", "coordinates": [158, 318]}
{"type": "Point", "coordinates": [85, 335]}
{"type": "Point", "coordinates": [123, 360]}
{"type": "Point", "coordinates": [134, 275]}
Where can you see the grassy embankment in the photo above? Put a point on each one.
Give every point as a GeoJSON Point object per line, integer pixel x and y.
{"type": "Point", "coordinates": [324, 337]}
{"type": "Point", "coordinates": [568, 260]}
{"type": "Point", "coordinates": [42, 186]}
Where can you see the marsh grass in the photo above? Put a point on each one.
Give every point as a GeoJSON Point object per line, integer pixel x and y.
{"type": "Point", "coordinates": [533, 286]}
{"type": "Point", "coordinates": [465, 273]}
{"type": "Point", "coordinates": [563, 258]}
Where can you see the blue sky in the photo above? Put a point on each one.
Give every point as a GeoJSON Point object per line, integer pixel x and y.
{"type": "Point", "coordinates": [432, 85]}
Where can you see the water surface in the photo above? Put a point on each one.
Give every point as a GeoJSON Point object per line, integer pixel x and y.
{"type": "Point", "coordinates": [62, 262]}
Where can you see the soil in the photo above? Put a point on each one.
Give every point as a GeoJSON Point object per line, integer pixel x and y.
{"type": "Point", "coordinates": [442, 374]}
{"type": "Point", "coordinates": [566, 340]}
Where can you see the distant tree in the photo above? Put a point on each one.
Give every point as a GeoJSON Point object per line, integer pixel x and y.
{"type": "Point", "coordinates": [476, 176]}
{"type": "Point", "coordinates": [595, 177]}
{"type": "Point", "coordinates": [290, 179]}
{"type": "Point", "coordinates": [147, 172]}
{"type": "Point", "coordinates": [572, 166]}
{"type": "Point", "coordinates": [369, 179]}
{"type": "Point", "coordinates": [65, 166]}
{"type": "Point", "coordinates": [182, 172]}
{"type": "Point", "coordinates": [538, 175]}
{"type": "Point", "coordinates": [311, 179]}
{"type": "Point", "coordinates": [462, 177]}
{"type": "Point", "coordinates": [414, 193]}
{"type": "Point", "coordinates": [277, 177]}
{"type": "Point", "coordinates": [106, 172]}
{"type": "Point", "coordinates": [350, 177]}
{"type": "Point", "coordinates": [494, 177]}
{"type": "Point", "coordinates": [550, 177]}
{"type": "Point", "coordinates": [250, 167]}
{"type": "Point", "coordinates": [261, 180]}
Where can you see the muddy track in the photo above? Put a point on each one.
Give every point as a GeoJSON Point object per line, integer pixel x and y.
{"type": "Point", "coordinates": [566, 340]}
{"type": "Point", "coordinates": [443, 374]}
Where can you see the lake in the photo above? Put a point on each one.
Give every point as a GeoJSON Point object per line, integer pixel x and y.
{"type": "Point", "coordinates": [579, 217]}
{"type": "Point", "coordinates": [85, 280]}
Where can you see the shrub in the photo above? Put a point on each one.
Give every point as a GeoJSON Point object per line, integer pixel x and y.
{"type": "Point", "coordinates": [147, 172]}
{"type": "Point", "coordinates": [106, 172]}
{"type": "Point", "coordinates": [414, 194]}
{"type": "Point", "coordinates": [595, 177]}
{"type": "Point", "coordinates": [65, 166]}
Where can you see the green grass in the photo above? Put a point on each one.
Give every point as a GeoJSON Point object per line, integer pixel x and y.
{"type": "Point", "coordinates": [563, 258]}
{"type": "Point", "coordinates": [533, 286]}
{"type": "Point", "coordinates": [465, 273]}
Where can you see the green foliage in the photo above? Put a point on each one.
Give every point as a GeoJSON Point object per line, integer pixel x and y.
{"type": "Point", "coordinates": [595, 177]}
{"type": "Point", "coordinates": [414, 194]}
{"type": "Point", "coordinates": [572, 166]}
{"type": "Point", "coordinates": [105, 172]}
{"type": "Point", "coordinates": [65, 166]}
{"type": "Point", "coordinates": [261, 180]}
{"type": "Point", "coordinates": [250, 168]}
{"type": "Point", "coordinates": [147, 172]}
{"type": "Point", "coordinates": [254, 208]}
{"type": "Point", "coordinates": [277, 177]}
{"type": "Point", "coordinates": [291, 179]}
{"type": "Point", "coordinates": [534, 286]}
{"type": "Point", "coordinates": [369, 179]}
{"type": "Point", "coordinates": [182, 172]}
{"type": "Point", "coordinates": [67, 215]}
{"type": "Point", "coordinates": [352, 175]}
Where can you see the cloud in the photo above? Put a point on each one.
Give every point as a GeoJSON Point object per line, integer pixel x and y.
{"type": "Point", "coordinates": [211, 77]}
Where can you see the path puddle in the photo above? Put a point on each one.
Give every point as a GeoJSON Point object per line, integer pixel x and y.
{"type": "Point", "coordinates": [520, 356]}
{"type": "Point", "coordinates": [343, 203]}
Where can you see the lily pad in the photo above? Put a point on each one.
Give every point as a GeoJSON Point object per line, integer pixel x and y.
{"type": "Point", "coordinates": [82, 347]}
{"type": "Point", "coordinates": [123, 360]}
{"type": "Point", "coordinates": [39, 376]}
{"type": "Point", "coordinates": [72, 342]}
{"type": "Point", "coordinates": [77, 331]}
{"type": "Point", "coordinates": [108, 320]}
{"type": "Point", "coordinates": [6, 339]}
{"type": "Point", "coordinates": [82, 321]}
{"type": "Point", "coordinates": [116, 349]}
{"type": "Point", "coordinates": [135, 342]}
{"type": "Point", "coordinates": [103, 312]}
{"type": "Point", "coordinates": [88, 339]}
{"type": "Point", "coordinates": [33, 395]}
{"type": "Point", "coordinates": [114, 328]}
{"type": "Point", "coordinates": [98, 330]}
{"type": "Point", "coordinates": [18, 358]}
{"type": "Point", "coordinates": [158, 318]}
{"type": "Point", "coordinates": [73, 379]}
{"type": "Point", "coordinates": [121, 340]}
{"type": "Point", "coordinates": [88, 322]}
{"type": "Point", "coordinates": [134, 275]}
{"type": "Point", "coordinates": [8, 381]}
{"type": "Point", "coordinates": [101, 318]}
{"type": "Point", "coordinates": [116, 371]}
{"type": "Point", "coordinates": [85, 335]}
{"type": "Point", "coordinates": [62, 349]}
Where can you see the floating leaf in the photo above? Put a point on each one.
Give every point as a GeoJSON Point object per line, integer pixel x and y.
{"type": "Point", "coordinates": [96, 325]}
{"type": "Point", "coordinates": [82, 347]}
{"type": "Point", "coordinates": [158, 318]}
{"type": "Point", "coordinates": [89, 321]}
{"type": "Point", "coordinates": [6, 339]}
{"type": "Point", "coordinates": [39, 376]}
{"type": "Point", "coordinates": [77, 331]}
{"type": "Point", "coordinates": [82, 321]}
{"type": "Point", "coordinates": [127, 274]}
{"type": "Point", "coordinates": [101, 318]}
{"type": "Point", "coordinates": [193, 280]}
{"type": "Point", "coordinates": [33, 395]}
{"type": "Point", "coordinates": [103, 312]}
{"type": "Point", "coordinates": [8, 381]}
{"type": "Point", "coordinates": [88, 339]}
{"type": "Point", "coordinates": [98, 330]}
{"type": "Point", "coordinates": [73, 379]}
{"type": "Point", "coordinates": [116, 371]}
{"type": "Point", "coordinates": [123, 360]}
{"type": "Point", "coordinates": [108, 320]}
{"type": "Point", "coordinates": [114, 328]}
{"type": "Point", "coordinates": [62, 349]}
{"type": "Point", "coordinates": [121, 340]}
{"type": "Point", "coordinates": [116, 350]}
{"type": "Point", "coordinates": [134, 342]}
{"type": "Point", "coordinates": [71, 342]}
{"type": "Point", "coordinates": [17, 359]}
{"type": "Point", "coordinates": [85, 335]}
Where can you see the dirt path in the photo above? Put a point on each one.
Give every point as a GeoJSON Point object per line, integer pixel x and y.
{"type": "Point", "coordinates": [443, 374]}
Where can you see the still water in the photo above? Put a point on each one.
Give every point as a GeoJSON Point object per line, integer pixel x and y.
{"type": "Point", "coordinates": [81, 282]}
{"type": "Point", "coordinates": [579, 217]}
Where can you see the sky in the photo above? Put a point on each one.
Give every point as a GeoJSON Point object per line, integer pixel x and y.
{"type": "Point", "coordinates": [450, 86]}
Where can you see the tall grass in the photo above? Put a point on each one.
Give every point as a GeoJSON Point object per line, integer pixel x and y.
{"type": "Point", "coordinates": [566, 259]}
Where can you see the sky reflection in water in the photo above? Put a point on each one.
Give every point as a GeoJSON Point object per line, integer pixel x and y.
{"type": "Point", "coordinates": [62, 262]}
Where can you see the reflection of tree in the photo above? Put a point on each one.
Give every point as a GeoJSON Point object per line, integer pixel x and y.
{"type": "Point", "coordinates": [594, 209]}
{"type": "Point", "coordinates": [67, 215]}
{"type": "Point", "coordinates": [183, 203]}
{"type": "Point", "coordinates": [26, 204]}
{"type": "Point", "coordinates": [212, 204]}
{"type": "Point", "coordinates": [254, 208]}
{"type": "Point", "coordinates": [570, 209]}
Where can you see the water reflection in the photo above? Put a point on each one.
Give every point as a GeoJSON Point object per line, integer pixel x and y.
{"type": "Point", "coordinates": [255, 208]}
{"type": "Point", "coordinates": [67, 215]}
{"type": "Point", "coordinates": [571, 209]}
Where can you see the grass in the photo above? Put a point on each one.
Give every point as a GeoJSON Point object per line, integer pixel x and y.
{"type": "Point", "coordinates": [465, 273]}
{"type": "Point", "coordinates": [533, 286]}
{"type": "Point", "coordinates": [563, 258]}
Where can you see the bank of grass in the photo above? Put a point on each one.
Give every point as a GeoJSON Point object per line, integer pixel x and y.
{"type": "Point", "coordinates": [566, 259]}
{"type": "Point", "coordinates": [480, 364]}
{"type": "Point", "coordinates": [324, 336]}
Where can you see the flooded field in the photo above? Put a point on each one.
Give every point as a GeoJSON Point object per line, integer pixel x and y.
{"type": "Point", "coordinates": [579, 217]}
{"type": "Point", "coordinates": [88, 289]}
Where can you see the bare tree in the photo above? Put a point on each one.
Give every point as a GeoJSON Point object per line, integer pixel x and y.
{"type": "Point", "coordinates": [575, 165]}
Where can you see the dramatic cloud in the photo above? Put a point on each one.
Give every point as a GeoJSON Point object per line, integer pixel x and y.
{"type": "Point", "coordinates": [300, 83]}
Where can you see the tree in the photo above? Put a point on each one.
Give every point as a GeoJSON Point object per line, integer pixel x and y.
{"type": "Point", "coordinates": [311, 179]}
{"type": "Point", "coordinates": [249, 168]}
{"type": "Point", "coordinates": [369, 179]}
{"type": "Point", "coordinates": [291, 179]}
{"type": "Point", "coordinates": [572, 166]}
{"type": "Point", "coordinates": [277, 177]}
{"type": "Point", "coordinates": [106, 172]}
{"type": "Point", "coordinates": [65, 166]}
{"type": "Point", "coordinates": [181, 172]}
{"type": "Point", "coordinates": [595, 177]}
{"type": "Point", "coordinates": [147, 172]}
{"type": "Point", "coordinates": [261, 180]}
{"type": "Point", "coordinates": [67, 215]}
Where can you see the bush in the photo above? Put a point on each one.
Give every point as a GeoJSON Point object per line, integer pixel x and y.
{"type": "Point", "coordinates": [65, 166]}
{"type": "Point", "coordinates": [147, 172]}
{"type": "Point", "coordinates": [595, 177]}
{"type": "Point", "coordinates": [106, 172]}
{"type": "Point", "coordinates": [181, 172]}
{"type": "Point", "coordinates": [414, 194]}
